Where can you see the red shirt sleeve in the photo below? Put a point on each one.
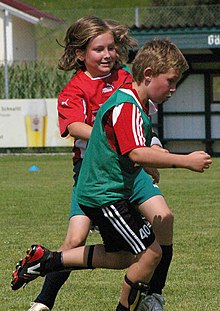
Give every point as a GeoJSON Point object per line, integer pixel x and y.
{"type": "Point", "coordinates": [71, 107]}
{"type": "Point", "coordinates": [127, 125]}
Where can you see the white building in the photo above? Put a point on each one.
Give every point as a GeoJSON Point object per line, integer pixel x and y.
{"type": "Point", "coordinates": [191, 118]}
{"type": "Point", "coordinates": [17, 30]}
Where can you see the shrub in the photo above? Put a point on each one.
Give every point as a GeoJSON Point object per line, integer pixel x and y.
{"type": "Point", "coordinates": [33, 80]}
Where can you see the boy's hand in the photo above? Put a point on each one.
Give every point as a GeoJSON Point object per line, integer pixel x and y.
{"type": "Point", "coordinates": [198, 161]}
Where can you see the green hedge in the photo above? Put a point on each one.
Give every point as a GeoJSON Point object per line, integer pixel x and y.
{"type": "Point", "coordinates": [33, 80]}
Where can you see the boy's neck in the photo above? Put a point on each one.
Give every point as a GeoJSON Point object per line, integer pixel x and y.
{"type": "Point", "coordinates": [141, 90]}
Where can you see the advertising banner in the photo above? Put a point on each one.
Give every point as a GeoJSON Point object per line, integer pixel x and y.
{"type": "Point", "coordinates": [30, 123]}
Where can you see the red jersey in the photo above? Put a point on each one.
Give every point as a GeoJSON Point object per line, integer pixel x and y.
{"type": "Point", "coordinates": [82, 97]}
{"type": "Point", "coordinates": [128, 118]}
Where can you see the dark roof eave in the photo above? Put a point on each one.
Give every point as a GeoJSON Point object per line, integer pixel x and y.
{"type": "Point", "coordinates": [31, 10]}
{"type": "Point", "coordinates": [176, 27]}
{"type": "Point", "coordinates": [187, 38]}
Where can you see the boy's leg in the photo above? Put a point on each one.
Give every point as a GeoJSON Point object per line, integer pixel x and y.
{"type": "Point", "coordinates": [124, 226]}
{"type": "Point", "coordinates": [135, 292]}
{"type": "Point", "coordinates": [157, 212]}
{"type": "Point", "coordinates": [41, 261]}
{"type": "Point", "coordinates": [138, 277]}
{"type": "Point", "coordinates": [153, 207]}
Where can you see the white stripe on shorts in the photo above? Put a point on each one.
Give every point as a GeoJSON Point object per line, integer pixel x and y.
{"type": "Point", "coordinates": [123, 228]}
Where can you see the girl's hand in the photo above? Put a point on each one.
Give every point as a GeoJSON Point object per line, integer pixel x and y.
{"type": "Point", "coordinates": [155, 174]}
{"type": "Point", "coordinates": [156, 147]}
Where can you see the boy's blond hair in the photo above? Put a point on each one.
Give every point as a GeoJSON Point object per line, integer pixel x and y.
{"type": "Point", "coordinates": [160, 55]}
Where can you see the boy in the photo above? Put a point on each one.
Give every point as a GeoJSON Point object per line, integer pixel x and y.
{"type": "Point", "coordinates": [117, 150]}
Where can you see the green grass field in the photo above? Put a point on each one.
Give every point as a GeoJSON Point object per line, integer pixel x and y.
{"type": "Point", "coordinates": [34, 209]}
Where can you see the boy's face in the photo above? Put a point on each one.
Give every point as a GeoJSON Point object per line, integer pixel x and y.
{"type": "Point", "coordinates": [163, 86]}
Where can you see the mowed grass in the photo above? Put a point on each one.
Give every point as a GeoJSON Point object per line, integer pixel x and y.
{"type": "Point", "coordinates": [34, 209]}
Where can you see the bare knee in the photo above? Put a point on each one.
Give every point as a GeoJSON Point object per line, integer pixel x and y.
{"type": "Point", "coordinates": [163, 227]}
{"type": "Point", "coordinates": [73, 242]}
{"type": "Point", "coordinates": [78, 230]}
{"type": "Point", "coordinates": [166, 219]}
{"type": "Point", "coordinates": [160, 216]}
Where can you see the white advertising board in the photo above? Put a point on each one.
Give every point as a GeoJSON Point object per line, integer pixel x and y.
{"type": "Point", "coordinates": [30, 123]}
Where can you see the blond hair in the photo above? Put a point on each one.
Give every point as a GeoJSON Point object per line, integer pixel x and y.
{"type": "Point", "coordinates": [86, 28]}
{"type": "Point", "coordinates": [123, 40]}
{"type": "Point", "coordinates": [161, 55]}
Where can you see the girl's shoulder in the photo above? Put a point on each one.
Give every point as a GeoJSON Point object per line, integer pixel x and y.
{"type": "Point", "coordinates": [122, 73]}
{"type": "Point", "coordinates": [77, 81]}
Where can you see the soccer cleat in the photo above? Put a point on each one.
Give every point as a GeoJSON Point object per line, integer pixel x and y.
{"type": "Point", "coordinates": [154, 302]}
{"type": "Point", "coordinates": [37, 306]}
{"type": "Point", "coordinates": [29, 268]}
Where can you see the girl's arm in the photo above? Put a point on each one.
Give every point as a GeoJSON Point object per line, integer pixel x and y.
{"type": "Point", "coordinates": [80, 130]}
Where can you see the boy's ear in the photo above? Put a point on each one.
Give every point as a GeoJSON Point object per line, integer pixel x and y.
{"type": "Point", "coordinates": [148, 74]}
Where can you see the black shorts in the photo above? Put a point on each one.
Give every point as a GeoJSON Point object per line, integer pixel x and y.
{"type": "Point", "coordinates": [121, 227]}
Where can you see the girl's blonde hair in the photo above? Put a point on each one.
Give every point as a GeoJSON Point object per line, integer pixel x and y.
{"type": "Point", "coordinates": [160, 55]}
{"type": "Point", "coordinates": [123, 41]}
{"type": "Point", "coordinates": [83, 30]}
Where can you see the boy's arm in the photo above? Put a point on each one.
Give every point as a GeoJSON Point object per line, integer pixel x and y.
{"type": "Point", "coordinates": [80, 130]}
{"type": "Point", "coordinates": [147, 157]}
{"type": "Point", "coordinates": [131, 142]}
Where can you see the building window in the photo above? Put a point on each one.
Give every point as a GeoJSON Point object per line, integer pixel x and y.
{"type": "Point", "coordinates": [216, 89]}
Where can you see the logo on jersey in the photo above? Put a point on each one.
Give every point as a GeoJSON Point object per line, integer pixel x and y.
{"type": "Point", "coordinates": [65, 103]}
{"type": "Point", "coordinates": [108, 88]}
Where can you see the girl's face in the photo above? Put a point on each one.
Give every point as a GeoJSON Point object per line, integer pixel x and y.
{"type": "Point", "coordinates": [100, 55]}
{"type": "Point", "coordinates": [163, 86]}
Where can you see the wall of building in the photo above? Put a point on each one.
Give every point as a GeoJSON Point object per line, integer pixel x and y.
{"type": "Point", "coordinates": [24, 45]}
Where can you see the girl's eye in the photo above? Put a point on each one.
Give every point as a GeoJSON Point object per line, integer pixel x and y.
{"type": "Point", "coordinates": [98, 50]}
